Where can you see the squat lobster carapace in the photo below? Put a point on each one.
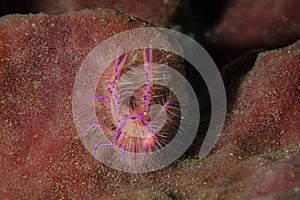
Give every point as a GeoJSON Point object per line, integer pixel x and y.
{"type": "Point", "coordinates": [131, 124]}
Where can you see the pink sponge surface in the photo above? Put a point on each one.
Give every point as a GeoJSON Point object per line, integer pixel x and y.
{"type": "Point", "coordinates": [42, 157]}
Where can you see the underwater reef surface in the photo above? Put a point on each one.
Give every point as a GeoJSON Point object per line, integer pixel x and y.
{"type": "Point", "coordinates": [165, 10]}
{"type": "Point", "coordinates": [251, 24]}
{"type": "Point", "coordinates": [43, 157]}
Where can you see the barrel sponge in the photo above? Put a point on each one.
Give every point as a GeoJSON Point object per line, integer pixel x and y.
{"type": "Point", "coordinates": [258, 24]}
{"type": "Point", "coordinates": [265, 115]}
{"type": "Point", "coordinates": [159, 12]}
{"type": "Point", "coordinates": [42, 157]}
{"type": "Point", "coordinates": [41, 154]}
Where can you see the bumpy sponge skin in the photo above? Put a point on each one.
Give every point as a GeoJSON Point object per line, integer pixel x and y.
{"type": "Point", "coordinates": [41, 152]}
